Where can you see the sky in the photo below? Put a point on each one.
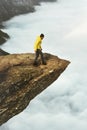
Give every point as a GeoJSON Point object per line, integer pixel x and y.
{"type": "Point", "coordinates": [63, 105]}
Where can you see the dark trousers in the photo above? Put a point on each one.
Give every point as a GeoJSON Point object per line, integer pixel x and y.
{"type": "Point", "coordinates": [39, 52]}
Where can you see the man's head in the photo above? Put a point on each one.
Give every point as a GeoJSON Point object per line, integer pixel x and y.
{"type": "Point", "coordinates": [42, 36]}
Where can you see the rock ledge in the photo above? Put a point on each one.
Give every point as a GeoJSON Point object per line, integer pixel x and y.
{"type": "Point", "coordinates": [20, 81]}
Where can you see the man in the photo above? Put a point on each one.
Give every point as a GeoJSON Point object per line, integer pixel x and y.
{"type": "Point", "coordinates": [38, 49]}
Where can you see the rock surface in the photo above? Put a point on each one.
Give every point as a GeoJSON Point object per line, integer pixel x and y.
{"type": "Point", "coordinates": [20, 81]}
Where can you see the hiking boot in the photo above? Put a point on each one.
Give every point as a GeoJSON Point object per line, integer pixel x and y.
{"type": "Point", "coordinates": [35, 63]}
{"type": "Point", "coordinates": [44, 63]}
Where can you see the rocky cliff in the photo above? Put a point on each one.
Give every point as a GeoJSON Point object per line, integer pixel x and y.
{"type": "Point", "coordinates": [10, 8]}
{"type": "Point", "coordinates": [3, 37]}
{"type": "Point", "coordinates": [2, 52]}
{"type": "Point", "coordinates": [20, 81]}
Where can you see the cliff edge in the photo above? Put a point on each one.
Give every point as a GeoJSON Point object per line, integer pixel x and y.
{"type": "Point", "coordinates": [20, 81]}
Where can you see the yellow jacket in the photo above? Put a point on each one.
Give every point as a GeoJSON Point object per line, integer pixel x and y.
{"type": "Point", "coordinates": [37, 44]}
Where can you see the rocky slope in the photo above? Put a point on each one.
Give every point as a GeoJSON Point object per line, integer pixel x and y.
{"type": "Point", "coordinates": [3, 37]}
{"type": "Point", "coordinates": [20, 81]}
{"type": "Point", "coordinates": [10, 8]}
{"type": "Point", "coordinates": [2, 52]}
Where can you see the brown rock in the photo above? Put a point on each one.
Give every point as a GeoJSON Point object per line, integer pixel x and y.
{"type": "Point", "coordinates": [20, 81]}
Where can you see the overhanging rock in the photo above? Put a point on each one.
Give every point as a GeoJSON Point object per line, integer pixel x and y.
{"type": "Point", "coordinates": [20, 81]}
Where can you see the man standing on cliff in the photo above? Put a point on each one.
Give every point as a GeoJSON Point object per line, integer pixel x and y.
{"type": "Point", "coordinates": [38, 49]}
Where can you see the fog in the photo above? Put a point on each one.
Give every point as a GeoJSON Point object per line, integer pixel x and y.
{"type": "Point", "coordinates": [63, 105]}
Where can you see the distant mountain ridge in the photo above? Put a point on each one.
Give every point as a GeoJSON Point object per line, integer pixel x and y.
{"type": "Point", "coordinates": [10, 8]}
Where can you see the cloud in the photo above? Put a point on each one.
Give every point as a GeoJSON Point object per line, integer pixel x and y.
{"type": "Point", "coordinates": [78, 31]}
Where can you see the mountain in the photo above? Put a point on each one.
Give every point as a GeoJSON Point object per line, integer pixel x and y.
{"type": "Point", "coordinates": [10, 8]}
{"type": "Point", "coordinates": [20, 81]}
